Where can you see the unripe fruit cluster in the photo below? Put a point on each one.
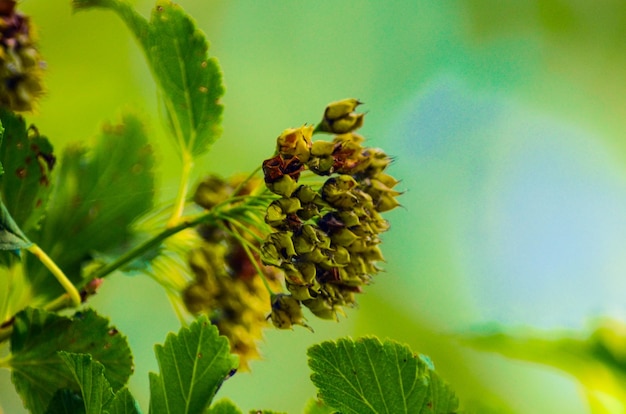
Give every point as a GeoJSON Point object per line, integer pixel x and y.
{"type": "Point", "coordinates": [21, 66]}
{"type": "Point", "coordinates": [226, 285]}
{"type": "Point", "coordinates": [326, 238]}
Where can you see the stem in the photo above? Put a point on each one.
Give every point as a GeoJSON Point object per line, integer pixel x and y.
{"type": "Point", "coordinates": [183, 188]}
{"type": "Point", "coordinates": [57, 272]}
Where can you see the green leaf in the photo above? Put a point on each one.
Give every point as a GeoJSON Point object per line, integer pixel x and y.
{"type": "Point", "coordinates": [224, 406]}
{"type": "Point", "coordinates": [98, 193]}
{"type": "Point", "coordinates": [596, 359]}
{"type": "Point", "coordinates": [123, 403]}
{"type": "Point", "coordinates": [89, 374]}
{"type": "Point", "coordinates": [192, 364]}
{"type": "Point", "coordinates": [11, 236]}
{"type": "Point", "coordinates": [190, 83]}
{"type": "Point", "coordinates": [66, 402]}
{"type": "Point", "coordinates": [96, 395]}
{"type": "Point", "coordinates": [38, 370]}
{"type": "Point", "coordinates": [315, 406]}
{"type": "Point", "coordinates": [28, 160]}
{"type": "Point", "coordinates": [368, 376]}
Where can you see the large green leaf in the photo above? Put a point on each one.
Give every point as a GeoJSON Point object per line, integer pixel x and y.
{"type": "Point", "coordinates": [98, 193]}
{"type": "Point", "coordinates": [190, 83]}
{"type": "Point", "coordinates": [38, 371]}
{"type": "Point", "coordinates": [192, 366]}
{"type": "Point", "coordinates": [367, 376]}
{"type": "Point", "coordinates": [28, 160]}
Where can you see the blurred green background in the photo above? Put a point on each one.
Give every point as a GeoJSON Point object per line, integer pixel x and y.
{"type": "Point", "coordinates": [506, 120]}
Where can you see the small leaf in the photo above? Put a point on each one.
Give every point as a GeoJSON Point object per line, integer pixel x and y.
{"type": "Point", "coordinates": [368, 376]}
{"type": "Point", "coordinates": [315, 406]}
{"type": "Point", "coordinates": [28, 159]}
{"type": "Point", "coordinates": [11, 236]}
{"type": "Point", "coordinates": [38, 370]}
{"type": "Point", "coordinates": [98, 193]}
{"type": "Point", "coordinates": [192, 364]}
{"type": "Point", "coordinates": [190, 82]}
{"type": "Point", "coordinates": [89, 374]}
{"type": "Point", "coordinates": [224, 406]}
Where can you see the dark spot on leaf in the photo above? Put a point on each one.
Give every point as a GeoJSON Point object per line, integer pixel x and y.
{"type": "Point", "coordinates": [159, 8]}
{"type": "Point", "coordinates": [112, 332]}
{"type": "Point", "coordinates": [38, 203]}
{"type": "Point", "coordinates": [28, 160]}
{"type": "Point", "coordinates": [231, 373]}
{"type": "Point", "coordinates": [21, 172]}
{"type": "Point", "coordinates": [107, 345]}
{"type": "Point", "coordinates": [199, 355]}
{"type": "Point", "coordinates": [203, 89]}
{"type": "Point", "coordinates": [204, 64]}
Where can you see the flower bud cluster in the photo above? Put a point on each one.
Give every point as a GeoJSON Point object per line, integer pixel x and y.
{"type": "Point", "coordinates": [21, 66]}
{"type": "Point", "coordinates": [225, 284]}
{"type": "Point", "coordinates": [326, 238]}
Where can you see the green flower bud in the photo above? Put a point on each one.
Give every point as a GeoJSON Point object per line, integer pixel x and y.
{"type": "Point", "coordinates": [317, 255]}
{"type": "Point", "coordinates": [340, 256]}
{"type": "Point", "coordinates": [299, 292]}
{"type": "Point", "coordinates": [321, 308]}
{"type": "Point", "coordinates": [348, 218]}
{"type": "Point", "coordinates": [296, 142]}
{"type": "Point", "coordinates": [286, 312]}
{"type": "Point", "coordinates": [321, 165]}
{"type": "Point", "coordinates": [386, 202]}
{"type": "Point", "coordinates": [305, 194]}
{"type": "Point", "coordinates": [339, 109]}
{"type": "Point", "coordinates": [309, 211]}
{"type": "Point", "coordinates": [284, 186]}
{"type": "Point", "coordinates": [322, 148]}
{"type": "Point", "coordinates": [210, 192]}
{"type": "Point", "coordinates": [343, 237]}
{"type": "Point", "coordinates": [307, 270]}
{"type": "Point", "coordinates": [339, 117]}
{"type": "Point", "coordinates": [337, 192]}
{"type": "Point", "coordinates": [278, 210]}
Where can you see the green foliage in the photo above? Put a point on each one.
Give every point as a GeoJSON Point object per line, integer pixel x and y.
{"type": "Point", "coordinates": [28, 159]}
{"type": "Point", "coordinates": [224, 406]}
{"type": "Point", "coordinates": [98, 193]}
{"type": "Point", "coordinates": [367, 376]}
{"type": "Point", "coordinates": [598, 360]}
{"type": "Point", "coordinates": [11, 236]}
{"type": "Point", "coordinates": [38, 370]}
{"type": "Point", "coordinates": [192, 367]}
{"type": "Point", "coordinates": [190, 83]}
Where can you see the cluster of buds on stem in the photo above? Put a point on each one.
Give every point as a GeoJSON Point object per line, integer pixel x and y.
{"type": "Point", "coordinates": [326, 237]}
{"type": "Point", "coordinates": [226, 285]}
{"type": "Point", "coordinates": [21, 66]}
